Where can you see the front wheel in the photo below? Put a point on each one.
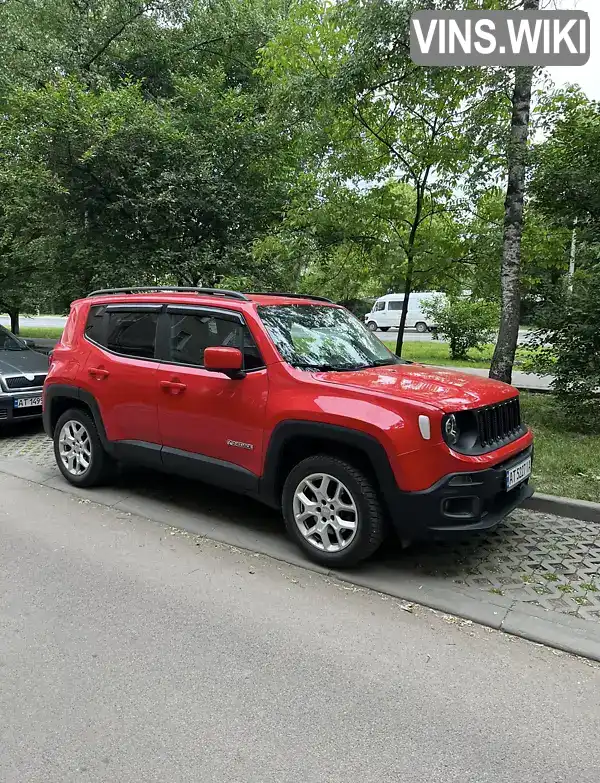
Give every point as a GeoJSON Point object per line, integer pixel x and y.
{"type": "Point", "coordinates": [421, 327]}
{"type": "Point", "coordinates": [332, 511]}
{"type": "Point", "coordinates": [78, 450]}
{"type": "Point", "coordinates": [372, 326]}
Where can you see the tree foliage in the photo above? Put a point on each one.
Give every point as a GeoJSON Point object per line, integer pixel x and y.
{"type": "Point", "coordinates": [569, 348]}
{"type": "Point", "coordinates": [253, 144]}
{"type": "Point", "coordinates": [566, 185]}
{"type": "Point", "coordinates": [379, 117]}
{"type": "Point", "coordinates": [566, 181]}
{"type": "Point", "coordinates": [545, 252]}
{"type": "Point", "coordinates": [145, 134]}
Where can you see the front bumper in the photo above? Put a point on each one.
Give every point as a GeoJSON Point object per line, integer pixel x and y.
{"type": "Point", "coordinates": [8, 411]}
{"type": "Point", "coordinates": [460, 503]}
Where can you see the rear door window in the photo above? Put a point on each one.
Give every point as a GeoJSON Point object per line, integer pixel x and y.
{"type": "Point", "coordinates": [396, 304]}
{"type": "Point", "coordinates": [132, 333]}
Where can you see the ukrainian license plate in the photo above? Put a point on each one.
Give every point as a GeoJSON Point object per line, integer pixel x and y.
{"type": "Point", "coordinates": [518, 474]}
{"type": "Point", "coordinates": [29, 402]}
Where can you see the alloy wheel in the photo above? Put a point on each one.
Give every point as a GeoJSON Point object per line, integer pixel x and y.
{"type": "Point", "coordinates": [75, 448]}
{"type": "Point", "coordinates": [325, 512]}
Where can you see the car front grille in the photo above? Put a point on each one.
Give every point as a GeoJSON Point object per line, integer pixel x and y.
{"type": "Point", "coordinates": [3, 413]}
{"type": "Point", "coordinates": [499, 423]}
{"type": "Point", "coordinates": [21, 382]}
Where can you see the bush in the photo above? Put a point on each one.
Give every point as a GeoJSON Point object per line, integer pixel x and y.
{"type": "Point", "coordinates": [465, 323]}
{"type": "Point", "coordinates": [569, 349]}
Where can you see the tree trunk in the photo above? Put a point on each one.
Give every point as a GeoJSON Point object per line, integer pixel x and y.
{"type": "Point", "coordinates": [407, 291]}
{"type": "Point", "coordinates": [410, 267]}
{"type": "Point", "coordinates": [14, 321]}
{"type": "Point", "coordinates": [506, 346]}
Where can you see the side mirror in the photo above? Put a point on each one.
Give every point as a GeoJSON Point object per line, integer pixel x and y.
{"type": "Point", "coordinates": [226, 360]}
{"type": "Point", "coordinates": [28, 342]}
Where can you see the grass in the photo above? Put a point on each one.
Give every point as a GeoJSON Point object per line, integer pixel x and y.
{"type": "Point", "coordinates": [566, 463]}
{"type": "Point", "coordinates": [439, 353]}
{"type": "Point", "coordinates": [42, 332]}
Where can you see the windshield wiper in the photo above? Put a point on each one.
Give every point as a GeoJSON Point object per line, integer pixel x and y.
{"type": "Point", "coordinates": [329, 367]}
{"type": "Point", "coordinates": [384, 363]}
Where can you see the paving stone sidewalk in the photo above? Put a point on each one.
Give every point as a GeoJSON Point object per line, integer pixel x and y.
{"type": "Point", "coordinates": [549, 561]}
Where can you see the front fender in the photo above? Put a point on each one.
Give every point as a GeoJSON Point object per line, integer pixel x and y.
{"type": "Point", "coordinates": [292, 428]}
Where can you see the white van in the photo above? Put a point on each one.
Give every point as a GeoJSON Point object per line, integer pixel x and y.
{"type": "Point", "coordinates": [387, 310]}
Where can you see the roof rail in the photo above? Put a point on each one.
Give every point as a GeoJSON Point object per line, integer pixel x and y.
{"type": "Point", "coordinates": [170, 288]}
{"type": "Point", "coordinates": [291, 296]}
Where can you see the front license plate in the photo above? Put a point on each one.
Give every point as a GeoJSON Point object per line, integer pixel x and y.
{"type": "Point", "coordinates": [518, 474]}
{"type": "Point", "coordinates": [29, 402]}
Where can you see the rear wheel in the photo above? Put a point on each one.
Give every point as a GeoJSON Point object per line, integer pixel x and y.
{"type": "Point", "coordinates": [421, 327]}
{"type": "Point", "coordinates": [332, 511]}
{"type": "Point", "coordinates": [78, 450]}
{"type": "Point", "coordinates": [372, 326]}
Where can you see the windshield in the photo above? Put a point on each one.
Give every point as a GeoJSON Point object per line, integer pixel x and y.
{"type": "Point", "coordinates": [10, 343]}
{"type": "Point", "coordinates": [318, 337]}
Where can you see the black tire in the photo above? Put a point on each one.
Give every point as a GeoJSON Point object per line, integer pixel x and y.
{"type": "Point", "coordinates": [372, 326]}
{"type": "Point", "coordinates": [421, 327]}
{"type": "Point", "coordinates": [101, 466]}
{"type": "Point", "coordinates": [371, 526]}
{"type": "Point", "coordinates": [385, 328]}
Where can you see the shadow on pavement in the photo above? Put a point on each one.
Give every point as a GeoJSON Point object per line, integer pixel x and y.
{"type": "Point", "coordinates": [549, 561]}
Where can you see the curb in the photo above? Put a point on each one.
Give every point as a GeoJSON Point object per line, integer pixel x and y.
{"type": "Point", "coordinates": [517, 618]}
{"type": "Point", "coordinates": [564, 507]}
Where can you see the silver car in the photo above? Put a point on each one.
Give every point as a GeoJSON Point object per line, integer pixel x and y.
{"type": "Point", "coordinates": [22, 375]}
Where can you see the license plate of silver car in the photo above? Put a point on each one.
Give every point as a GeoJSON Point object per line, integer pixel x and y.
{"type": "Point", "coordinates": [28, 402]}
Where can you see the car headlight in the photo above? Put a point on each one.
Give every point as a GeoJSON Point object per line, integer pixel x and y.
{"type": "Point", "coordinates": [450, 429]}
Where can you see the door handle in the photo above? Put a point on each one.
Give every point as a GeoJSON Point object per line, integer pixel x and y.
{"type": "Point", "coordinates": [175, 387]}
{"type": "Point", "coordinates": [98, 373]}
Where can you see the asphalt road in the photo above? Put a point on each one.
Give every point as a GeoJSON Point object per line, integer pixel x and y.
{"type": "Point", "coordinates": [55, 321]}
{"type": "Point", "coordinates": [131, 652]}
{"type": "Point", "coordinates": [414, 337]}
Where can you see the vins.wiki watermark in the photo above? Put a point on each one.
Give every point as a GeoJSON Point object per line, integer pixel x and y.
{"type": "Point", "coordinates": [500, 37]}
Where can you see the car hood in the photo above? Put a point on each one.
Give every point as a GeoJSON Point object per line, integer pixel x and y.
{"type": "Point", "coordinates": [447, 390]}
{"type": "Point", "coordinates": [25, 362]}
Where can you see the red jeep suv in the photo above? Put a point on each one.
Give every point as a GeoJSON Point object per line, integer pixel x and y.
{"type": "Point", "coordinates": [289, 399]}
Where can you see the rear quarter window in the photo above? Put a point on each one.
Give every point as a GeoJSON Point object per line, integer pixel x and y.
{"type": "Point", "coordinates": [94, 327]}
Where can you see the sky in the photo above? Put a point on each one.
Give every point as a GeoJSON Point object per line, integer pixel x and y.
{"type": "Point", "coordinates": [586, 76]}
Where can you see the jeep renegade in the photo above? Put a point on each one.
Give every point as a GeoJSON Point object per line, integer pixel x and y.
{"type": "Point", "coordinates": [291, 400]}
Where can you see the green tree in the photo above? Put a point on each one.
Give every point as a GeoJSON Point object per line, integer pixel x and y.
{"type": "Point", "coordinates": [566, 187]}
{"type": "Point", "coordinates": [545, 251]}
{"type": "Point", "coordinates": [566, 178]}
{"type": "Point", "coordinates": [346, 69]}
{"type": "Point", "coordinates": [348, 243]}
{"type": "Point", "coordinates": [154, 127]}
